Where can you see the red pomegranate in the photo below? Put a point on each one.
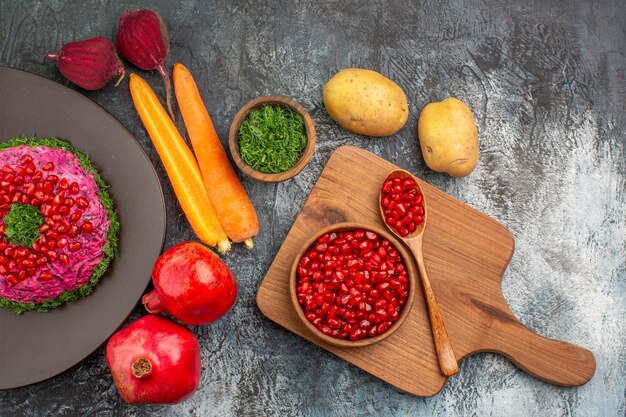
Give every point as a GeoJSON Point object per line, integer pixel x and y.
{"type": "Point", "coordinates": [154, 361]}
{"type": "Point", "coordinates": [192, 284]}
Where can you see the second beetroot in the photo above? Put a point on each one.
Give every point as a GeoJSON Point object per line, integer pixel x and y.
{"type": "Point", "coordinates": [142, 38]}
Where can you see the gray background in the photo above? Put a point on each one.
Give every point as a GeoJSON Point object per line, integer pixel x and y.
{"type": "Point", "coordinates": [546, 85]}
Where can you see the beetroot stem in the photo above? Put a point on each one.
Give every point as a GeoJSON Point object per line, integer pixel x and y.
{"type": "Point", "coordinates": [168, 91]}
{"type": "Point", "coordinates": [121, 73]}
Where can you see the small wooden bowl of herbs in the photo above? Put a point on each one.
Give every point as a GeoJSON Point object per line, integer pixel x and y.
{"type": "Point", "coordinates": [272, 138]}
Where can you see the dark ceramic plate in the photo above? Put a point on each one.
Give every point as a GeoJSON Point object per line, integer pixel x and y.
{"type": "Point", "coordinates": [36, 346]}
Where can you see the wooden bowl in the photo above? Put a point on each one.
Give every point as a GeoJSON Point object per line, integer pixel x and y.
{"type": "Point", "coordinates": [242, 115]}
{"type": "Point", "coordinates": [406, 258]}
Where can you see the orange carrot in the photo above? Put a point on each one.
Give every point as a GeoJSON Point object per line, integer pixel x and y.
{"type": "Point", "coordinates": [180, 165]}
{"type": "Point", "coordinates": [232, 205]}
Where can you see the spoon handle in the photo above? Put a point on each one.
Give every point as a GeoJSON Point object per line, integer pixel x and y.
{"type": "Point", "coordinates": [445, 353]}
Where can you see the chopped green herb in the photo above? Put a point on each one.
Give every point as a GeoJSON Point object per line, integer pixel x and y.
{"type": "Point", "coordinates": [22, 224]}
{"type": "Point", "coordinates": [272, 139]}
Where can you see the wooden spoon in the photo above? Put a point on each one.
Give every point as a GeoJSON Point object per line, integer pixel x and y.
{"type": "Point", "coordinates": [445, 353]}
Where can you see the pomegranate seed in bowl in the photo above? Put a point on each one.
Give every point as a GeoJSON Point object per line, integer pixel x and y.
{"type": "Point", "coordinates": [351, 285]}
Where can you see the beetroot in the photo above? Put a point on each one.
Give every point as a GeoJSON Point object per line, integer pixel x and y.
{"type": "Point", "coordinates": [192, 284]}
{"type": "Point", "coordinates": [90, 64]}
{"type": "Point", "coordinates": [143, 39]}
{"type": "Point", "coordinates": [154, 361]}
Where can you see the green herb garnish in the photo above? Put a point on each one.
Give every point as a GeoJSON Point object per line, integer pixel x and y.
{"type": "Point", "coordinates": [110, 248]}
{"type": "Point", "coordinates": [22, 224]}
{"type": "Point", "coordinates": [272, 139]}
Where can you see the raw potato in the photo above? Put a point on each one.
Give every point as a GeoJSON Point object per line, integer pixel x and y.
{"type": "Point", "coordinates": [449, 137]}
{"type": "Point", "coordinates": [366, 102]}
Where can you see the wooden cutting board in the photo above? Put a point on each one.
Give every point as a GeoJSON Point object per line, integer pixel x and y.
{"type": "Point", "coordinates": [466, 253]}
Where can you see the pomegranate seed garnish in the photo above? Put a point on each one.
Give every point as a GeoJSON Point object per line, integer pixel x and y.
{"type": "Point", "coordinates": [39, 194]}
{"type": "Point", "coordinates": [46, 210]}
{"type": "Point", "coordinates": [58, 199]}
{"type": "Point", "coordinates": [46, 276]}
{"type": "Point", "coordinates": [37, 177]}
{"type": "Point", "coordinates": [26, 159]}
{"type": "Point", "coordinates": [12, 279]}
{"type": "Point", "coordinates": [74, 217]}
{"type": "Point", "coordinates": [74, 188]}
{"type": "Point", "coordinates": [74, 246]}
{"type": "Point", "coordinates": [48, 166]}
{"type": "Point", "coordinates": [64, 259]}
{"type": "Point", "coordinates": [29, 189]}
{"type": "Point", "coordinates": [87, 227]}
{"type": "Point", "coordinates": [64, 184]}
{"type": "Point", "coordinates": [51, 255]}
{"type": "Point", "coordinates": [73, 231]}
{"type": "Point", "coordinates": [28, 263]}
{"type": "Point", "coordinates": [82, 202]}
{"type": "Point", "coordinates": [29, 168]}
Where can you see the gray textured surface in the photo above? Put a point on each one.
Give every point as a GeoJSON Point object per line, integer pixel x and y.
{"type": "Point", "coordinates": [547, 87]}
